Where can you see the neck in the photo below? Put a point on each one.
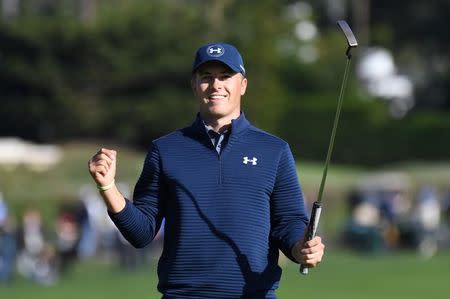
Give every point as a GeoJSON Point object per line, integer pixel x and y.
{"type": "Point", "coordinates": [218, 124]}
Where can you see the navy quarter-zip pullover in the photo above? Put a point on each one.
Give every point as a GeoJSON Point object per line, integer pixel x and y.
{"type": "Point", "coordinates": [227, 214]}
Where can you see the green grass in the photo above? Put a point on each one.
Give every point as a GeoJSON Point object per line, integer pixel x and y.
{"type": "Point", "coordinates": [350, 276]}
{"type": "Point", "coordinates": [341, 275]}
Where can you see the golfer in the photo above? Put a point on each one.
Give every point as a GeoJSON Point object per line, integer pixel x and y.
{"type": "Point", "coordinates": [228, 191]}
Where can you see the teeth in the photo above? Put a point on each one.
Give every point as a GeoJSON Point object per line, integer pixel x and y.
{"type": "Point", "coordinates": [217, 97]}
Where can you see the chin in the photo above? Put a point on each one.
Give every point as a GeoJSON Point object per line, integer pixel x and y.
{"type": "Point", "coordinates": [216, 112]}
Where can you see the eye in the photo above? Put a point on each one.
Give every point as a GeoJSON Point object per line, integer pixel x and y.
{"type": "Point", "coordinates": [225, 77]}
{"type": "Point", "coordinates": [206, 78]}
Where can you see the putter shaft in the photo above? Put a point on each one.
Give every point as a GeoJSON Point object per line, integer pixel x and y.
{"type": "Point", "coordinates": [317, 206]}
{"type": "Point", "coordinates": [333, 132]}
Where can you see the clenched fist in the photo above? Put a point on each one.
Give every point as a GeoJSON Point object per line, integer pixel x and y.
{"type": "Point", "coordinates": [102, 166]}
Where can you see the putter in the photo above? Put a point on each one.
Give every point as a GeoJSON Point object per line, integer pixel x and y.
{"type": "Point", "coordinates": [317, 206]}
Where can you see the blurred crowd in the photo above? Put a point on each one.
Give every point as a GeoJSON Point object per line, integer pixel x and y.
{"type": "Point", "coordinates": [387, 215]}
{"type": "Point", "coordinates": [81, 230]}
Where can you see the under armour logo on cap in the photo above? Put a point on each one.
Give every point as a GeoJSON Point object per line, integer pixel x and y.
{"type": "Point", "coordinates": [215, 51]}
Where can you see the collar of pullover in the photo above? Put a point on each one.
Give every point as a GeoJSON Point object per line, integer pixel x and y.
{"type": "Point", "coordinates": [238, 125]}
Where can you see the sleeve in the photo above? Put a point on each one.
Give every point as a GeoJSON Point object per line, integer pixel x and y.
{"type": "Point", "coordinates": [141, 219]}
{"type": "Point", "coordinates": [288, 213]}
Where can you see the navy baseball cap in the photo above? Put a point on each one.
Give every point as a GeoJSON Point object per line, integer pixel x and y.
{"type": "Point", "coordinates": [222, 52]}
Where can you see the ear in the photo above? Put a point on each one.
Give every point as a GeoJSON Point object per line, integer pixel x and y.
{"type": "Point", "coordinates": [243, 86]}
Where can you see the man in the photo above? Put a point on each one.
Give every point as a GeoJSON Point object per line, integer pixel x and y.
{"type": "Point", "coordinates": [228, 191]}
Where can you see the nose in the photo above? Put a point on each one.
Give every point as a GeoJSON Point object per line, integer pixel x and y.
{"type": "Point", "coordinates": [216, 83]}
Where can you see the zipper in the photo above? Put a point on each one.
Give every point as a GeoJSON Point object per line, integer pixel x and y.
{"type": "Point", "coordinates": [219, 160]}
{"type": "Point", "coordinates": [219, 157]}
{"type": "Point", "coordinates": [220, 170]}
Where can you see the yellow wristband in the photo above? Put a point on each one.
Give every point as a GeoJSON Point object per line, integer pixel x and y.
{"type": "Point", "coordinates": [107, 187]}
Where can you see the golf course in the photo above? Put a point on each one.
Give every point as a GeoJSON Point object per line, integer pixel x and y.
{"type": "Point", "coordinates": [342, 274]}
{"type": "Point", "coordinates": [211, 133]}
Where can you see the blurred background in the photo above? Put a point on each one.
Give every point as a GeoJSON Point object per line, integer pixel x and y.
{"type": "Point", "coordinates": [76, 75]}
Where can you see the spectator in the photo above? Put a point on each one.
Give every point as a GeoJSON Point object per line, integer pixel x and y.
{"type": "Point", "coordinates": [426, 220]}
{"type": "Point", "coordinates": [69, 220]}
{"type": "Point", "coordinates": [36, 259]}
{"type": "Point", "coordinates": [363, 230]}
{"type": "Point", "coordinates": [7, 243]}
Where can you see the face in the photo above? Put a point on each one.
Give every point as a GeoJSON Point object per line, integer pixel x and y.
{"type": "Point", "coordinates": [219, 90]}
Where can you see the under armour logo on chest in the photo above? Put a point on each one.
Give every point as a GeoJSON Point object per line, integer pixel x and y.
{"type": "Point", "coordinates": [246, 160]}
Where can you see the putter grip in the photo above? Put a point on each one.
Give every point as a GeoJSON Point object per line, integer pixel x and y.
{"type": "Point", "coordinates": [312, 227]}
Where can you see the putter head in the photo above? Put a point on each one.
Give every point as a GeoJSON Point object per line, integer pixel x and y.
{"type": "Point", "coordinates": [351, 39]}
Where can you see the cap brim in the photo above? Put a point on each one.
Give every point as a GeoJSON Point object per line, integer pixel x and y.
{"type": "Point", "coordinates": [234, 68]}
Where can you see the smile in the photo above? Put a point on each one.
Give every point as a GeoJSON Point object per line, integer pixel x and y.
{"type": "Point", "coordinates": [216, 97]}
